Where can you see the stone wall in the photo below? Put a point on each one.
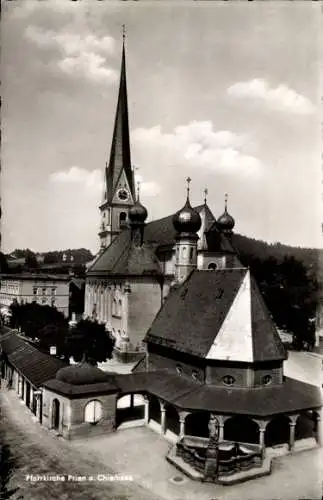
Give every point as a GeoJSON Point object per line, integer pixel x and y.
{"type": "Point", "coordinates": [244, 376]}
{"type": "Point", "coordinates": [157, 362]}
{"type": "Point", "coordinates": [144, 302]}
{"type": "Point", "coordinates": [72, 422]}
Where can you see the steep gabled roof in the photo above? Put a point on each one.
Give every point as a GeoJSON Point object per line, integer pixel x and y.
{"type": "Point", "coordinates": [218, 315]}
{"type": "Point", "coordinates": [120, 158]}
{"type": "Point", "coordinates": [194, 312]}
{"type": "Point", "coordinates": [123, 258]}
{"type": "Point", "coordinates": [33, 364]}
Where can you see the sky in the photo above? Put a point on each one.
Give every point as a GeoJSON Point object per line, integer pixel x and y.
{"type": "Point", "coordinates": [225, 93]}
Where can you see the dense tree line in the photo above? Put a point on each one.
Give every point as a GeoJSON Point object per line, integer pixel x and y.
{"type": "Point", "coordinates": [48, 327]}
{"type": "Point", "coordinates": [290, 291]}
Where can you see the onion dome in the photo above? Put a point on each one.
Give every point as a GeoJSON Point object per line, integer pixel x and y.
{"type": "Point", "coordinates": [82, 374]}
{"type": "Point", "coordinates": [187, 220]}
{"type": "Point", "coordinates": [225, 222]}
{"type": "Point", "coordinates": [137, 213]}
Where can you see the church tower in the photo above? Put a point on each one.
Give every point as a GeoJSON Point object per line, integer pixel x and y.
{"type": "Point", "coordinates": [186, 222]}
{"type": "Point", "coordinates": [119, 193]}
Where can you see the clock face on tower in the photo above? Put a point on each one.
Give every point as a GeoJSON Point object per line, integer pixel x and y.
{"type": "Point", "coordinates": [123, 194]}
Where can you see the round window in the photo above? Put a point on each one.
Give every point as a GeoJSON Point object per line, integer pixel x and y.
{"type": "Point", "coordinates": [179, 369]}
{"type": "Point", "coordinates": [123, 194]}
{"type": "Point", "coordinates": [93, 412]}
{"type": "Point", "coordinates": [266, 379]}
{"type": "Point", "coordinates": [228, 380]}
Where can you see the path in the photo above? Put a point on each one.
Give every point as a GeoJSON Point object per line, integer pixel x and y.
{"type": "Point", "coordinates": [40, 452]}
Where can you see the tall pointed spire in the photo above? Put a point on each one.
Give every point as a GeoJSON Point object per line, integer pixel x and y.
{"type": "Point", "coordinates": [120, 157]}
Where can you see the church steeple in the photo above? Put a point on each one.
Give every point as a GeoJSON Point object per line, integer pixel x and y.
{"type": "Point", "coordinates": [119, 193]}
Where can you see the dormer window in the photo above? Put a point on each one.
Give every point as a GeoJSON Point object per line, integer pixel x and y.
{"type": "Point", "coordinates": [228, 380]}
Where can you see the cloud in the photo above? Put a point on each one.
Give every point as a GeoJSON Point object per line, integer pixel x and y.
{"type": "Point", "coordinates": [280, 98]}
{"type": "Point", "coordinates": [197, 145]}
{"type": "Point", "coordinates": [80, 55]}
{"type": "Point", "coordinates": [92, 181]}
{"type": "Point", "coordinates": [89, 180]}
{"type": "Point", "coordinates": [147, 189]}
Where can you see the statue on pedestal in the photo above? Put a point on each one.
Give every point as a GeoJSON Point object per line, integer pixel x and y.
{"type": "Point", "coordinates": [212, 451]}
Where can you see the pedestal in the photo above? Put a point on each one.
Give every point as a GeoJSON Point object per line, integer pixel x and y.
{"type": "Point", "coordinates": [211, 463]}
{"type": "Point", "coordinates": [291, 435]}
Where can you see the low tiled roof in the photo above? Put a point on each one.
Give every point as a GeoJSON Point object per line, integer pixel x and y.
{"type": "Point", "coordinates": [34, 365]}
{"type": "Point", "coordinates": [74, 391]}
{"type": "Point", "coordinates": [121, 258]}
{"type": "Point", "coordinates": [218, 315]}
{"type": "Point", "coordinates": [290, 396]}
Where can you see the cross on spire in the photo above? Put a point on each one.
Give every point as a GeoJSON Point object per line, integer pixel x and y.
{"type": "Point", "coordinates": [138, 191]}
{"type": "Point", "coordinates": [206, 192]}
{"type": "Point", "coordinates": [123, 32]}
{"type": "Point", "coordinates": [188, 180]}
{"type": "Point", "coordinates": [225, 201]}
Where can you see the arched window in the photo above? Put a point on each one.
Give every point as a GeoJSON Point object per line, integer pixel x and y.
{"type": "Point", "coordinates": [93, 412]}
{"type": "Point", "coordinates": [191, 253]}
{"type": "Point", "coordinates": [114, 307]}
{"type": "Point", "coordinates": [212, 266]}
{"type": "Point", "coordinates": [122, 219]}
{"type": "Point", "coordinates": [266, 380]}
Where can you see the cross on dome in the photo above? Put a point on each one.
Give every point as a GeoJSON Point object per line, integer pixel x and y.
{"type": "Point", "coordinates": [206, 192]}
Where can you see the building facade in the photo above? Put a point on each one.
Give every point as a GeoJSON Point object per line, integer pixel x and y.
{"type": "Point", "coordinates": [51, 290]}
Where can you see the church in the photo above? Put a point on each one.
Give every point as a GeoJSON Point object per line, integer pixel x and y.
{"type": "Point", "coordinates": [137, 262]}
{"type": "Point", "coordinates": [210, 362]}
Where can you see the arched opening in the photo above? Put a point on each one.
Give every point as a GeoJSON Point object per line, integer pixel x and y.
{"type": "Point", "coordinates": [28, 394]}
{"type": "Point", "coordinates": [212, 266]}
{"type": "Point", "coordinates": [241, 429]}
{"type": "Point", "coordinates": [277, 431]}
{"type": "Point", "coordinates": [34, 405]}
{"type": "Point", "coordinates": [154, 409]}
{"type": "Point", "coordinates": [55, 414]}
{"type": "Point", "coordinates": [122, 219]}
{"type": "Point", "coordinates": [172, 420]}
{"type": "Point", "coordinates": [130, 407]}
{"type": "Point", "coordinates": [196, 424]}
{"type": "Point", "coordinates": [305, 425]}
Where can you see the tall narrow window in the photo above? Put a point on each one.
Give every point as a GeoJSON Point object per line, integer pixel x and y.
{"type": "Point", "coordinates": [122, 219]}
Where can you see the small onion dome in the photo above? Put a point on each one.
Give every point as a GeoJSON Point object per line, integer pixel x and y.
{"type": "Point", "coordinates": [82, 374]}
{"type": "Point", "coordinates": [225, 222]}
{"type": "Point", "coordinates": [137, 213]}
{"type": "Point", "coordinates": [187, 220]}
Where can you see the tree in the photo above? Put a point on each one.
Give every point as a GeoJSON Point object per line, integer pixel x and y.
{"type": "Point", "coordinates": [53, 335]}
{"type": "Point", "coordinates": [31, 261]}
{"type": "Point", "coordinates": [89, 338]}
{"type": "Point", "coordinates": [33, 318]}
